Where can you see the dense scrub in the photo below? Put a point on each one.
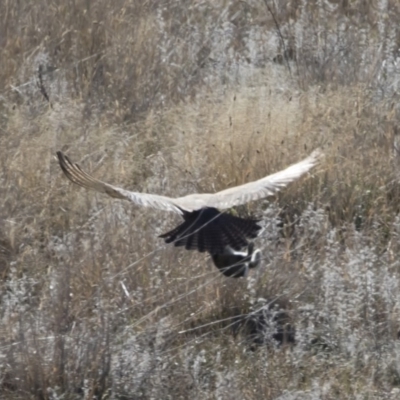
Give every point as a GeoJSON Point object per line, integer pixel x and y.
{"type": "Point", "coordinates": [176, 97]}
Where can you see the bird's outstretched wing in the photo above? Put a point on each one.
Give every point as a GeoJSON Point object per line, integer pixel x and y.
{"type": "Point", "coordinates": [263, 187]}
{"type": "Point", "coordinates": [76, 175]}
{"type": "Point", "coordinates": [221, 200]}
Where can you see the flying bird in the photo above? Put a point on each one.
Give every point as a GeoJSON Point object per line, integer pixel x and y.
{"type": "Point", "coordinates": [205, 227]}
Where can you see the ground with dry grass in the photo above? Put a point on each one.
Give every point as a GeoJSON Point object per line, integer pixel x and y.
{"type": "Point", "coordinates": [176, 97]}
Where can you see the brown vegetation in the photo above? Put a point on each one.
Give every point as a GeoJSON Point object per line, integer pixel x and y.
{"type": "Point", "coordinates": [175, 97]}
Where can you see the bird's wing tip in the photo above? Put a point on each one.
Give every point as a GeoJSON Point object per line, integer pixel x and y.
{"type": "Point", "coordinates": [60, 155]}
{"type": "Point", "coordinates": [317, 155]}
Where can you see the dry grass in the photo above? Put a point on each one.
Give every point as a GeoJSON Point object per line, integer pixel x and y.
{"type": "Point", "coordinates": [171, 98]}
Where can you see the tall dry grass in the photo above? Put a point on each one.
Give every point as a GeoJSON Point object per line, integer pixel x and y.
{"type": "Point", "coordinates": [171, 97]}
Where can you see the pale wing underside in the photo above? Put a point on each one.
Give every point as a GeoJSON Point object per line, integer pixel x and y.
{"type": "Point", "coordinates": [263, 187]}
{"type": "Point", "coordinates": [222, 200]}
{"type": "Point", "coordinates": [76, 175]}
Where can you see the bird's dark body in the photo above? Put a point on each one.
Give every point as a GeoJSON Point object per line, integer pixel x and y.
{"type": "Point", "coordinates": [210, 230]}
{"type": "Point", "coordinates": [236, 264]}
{"type": "Point", "coordinates": [236, 270]}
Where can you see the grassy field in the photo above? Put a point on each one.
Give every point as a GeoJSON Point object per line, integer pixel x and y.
{"type": "Point", "coordinates": [175, 97]}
